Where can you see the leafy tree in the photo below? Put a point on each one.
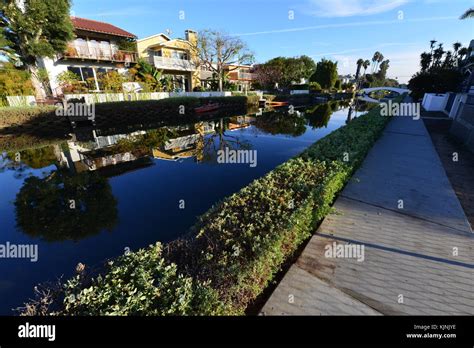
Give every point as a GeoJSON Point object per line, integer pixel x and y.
{"type": "Point", "coordinates": [338, 84]}
{"type": "Point", "coordinates": [425, 61]}
{"type": "Point", "coordinates": [382, 74]}
{"type": "Point", "coordinates": [436, 80]}
{"type": "Point", "coordinates": [325, 74]}
{"type": "Point", "coordinates": [220, 53]}
{"type": "Point", "coordinates": [34, 28]}
{"type": "Point", "coordinates": [284, 71]}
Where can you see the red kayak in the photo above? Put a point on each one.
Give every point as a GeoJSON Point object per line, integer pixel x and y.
{"type": "Point", "coordinates": [207, 107]}
{"type": "Point", "coordinates": [277, 103]}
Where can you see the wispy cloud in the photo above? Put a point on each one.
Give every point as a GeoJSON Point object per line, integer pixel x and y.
{"type": "Point", "coordinates": [364, 49]}
{"type": "Point", "coordinates": [345, 25]}
{"type": "Point", "coordinates": [348, 8]}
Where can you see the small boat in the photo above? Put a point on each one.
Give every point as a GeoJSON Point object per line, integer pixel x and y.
{"type": "Point", "coordinates": [207, 107]}
{"type": "Point", "coordinates": [273, 103]}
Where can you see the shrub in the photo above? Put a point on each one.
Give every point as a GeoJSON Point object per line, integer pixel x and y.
{"type": "Point", "coordinates": [302, 87]}
{"type": "Point", "coordinates": [20, 115]}
{"type": "Point", "coordinates": [70, 82]}
{"type": "Point", "coordinates": [269, 97]}
{"type": "Point", "coordinates": [140, 283]}
{"type": "Point", "coordinates": [315, 87]}
{"type": "Point", "coordinates": [13, 82]}
{"type": "Point", "coordinates": [111, 81]}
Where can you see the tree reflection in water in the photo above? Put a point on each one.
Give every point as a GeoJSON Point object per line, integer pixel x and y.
{"type": "Point", "coordinates": [281, 122]}
{"type": "Point", "coordinates": [62, 207]}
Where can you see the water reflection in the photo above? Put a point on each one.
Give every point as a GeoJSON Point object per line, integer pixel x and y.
{"type": "Point", "coordinates": [60, 206]}
{"type": "Point", "coordinates": [84, 164]}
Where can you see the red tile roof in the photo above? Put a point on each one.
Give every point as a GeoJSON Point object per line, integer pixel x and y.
{"type": "Point", "coordinates": [99, 27]}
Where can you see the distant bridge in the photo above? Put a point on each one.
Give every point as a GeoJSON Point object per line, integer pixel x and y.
{"type": "Point", "coordinates": [364, 92]}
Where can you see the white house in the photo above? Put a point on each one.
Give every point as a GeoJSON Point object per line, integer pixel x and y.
{"type": "Point", "coordinates": [95, 50]}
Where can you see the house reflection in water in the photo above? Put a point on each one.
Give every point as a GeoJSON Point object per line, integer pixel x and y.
{"type": "Point", "coordinates": [188, 145]}
{"type": "Point", "coordinates": [82, 156]}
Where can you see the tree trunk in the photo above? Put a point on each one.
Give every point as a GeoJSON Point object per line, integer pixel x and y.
{"type": "Point", "coordinates": [221, 84]}
{"type": "Point", "coordinates": [40, 92]}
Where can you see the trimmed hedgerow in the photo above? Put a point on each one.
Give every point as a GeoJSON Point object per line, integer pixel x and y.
{"type": "Point", "coordinates": [19, 115]}
{"type": "Point", "coordinates": [164, 110]}
{"type": "Point", "coordinates": [140, 283]}
{"type": "Point", "coordinates": [236, 248]}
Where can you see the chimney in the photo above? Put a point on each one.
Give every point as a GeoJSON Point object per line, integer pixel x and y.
{"type": "Point", "coordinates": [191, 36]}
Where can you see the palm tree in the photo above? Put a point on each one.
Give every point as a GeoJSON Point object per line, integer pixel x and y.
{"type": "Point", "coordinates": [366, 65]}
{"type": "Point", "coordinates": [468, 14]}
{"type": "Point", "coordinates": [425, 61]}
{"type": "Point", "coordinates": [432, 44]}
{"type": "Point", "coordinates": [360, 62]}
{"type": "Point", "coordinates": [375, 59]}
{"type": "Point", "coordinates": [380, 60]}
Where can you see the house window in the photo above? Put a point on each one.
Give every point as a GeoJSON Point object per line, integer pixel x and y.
{"type": "Point", "coordinates": [76, 71]}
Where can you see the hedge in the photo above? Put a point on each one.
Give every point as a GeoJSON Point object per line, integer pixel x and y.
{"type": "Point", "coordinates": [236, 248]}
{"type": "Point", "coordinates": [164, 110]}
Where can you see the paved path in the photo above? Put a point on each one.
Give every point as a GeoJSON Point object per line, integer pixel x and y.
{"type": "Point", "coordinates": [418, 259]}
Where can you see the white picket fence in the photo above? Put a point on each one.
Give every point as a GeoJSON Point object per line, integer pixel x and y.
{"type": "Point", "coordinates": [114, 97]}
{"type": "Point", "coordinates": [21, 100]}
{"type": "Point", "coordinates": [95, 98]}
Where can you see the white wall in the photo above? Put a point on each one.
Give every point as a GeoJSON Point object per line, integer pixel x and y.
{"type": "Point", "coordinates": [434, 102]}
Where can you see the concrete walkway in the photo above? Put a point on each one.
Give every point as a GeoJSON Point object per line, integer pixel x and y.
{"type": "Point", "coordinates": [418, 244]}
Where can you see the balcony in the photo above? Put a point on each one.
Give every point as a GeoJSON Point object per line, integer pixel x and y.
{"type": "Point", "coordinates": [246, 76]}
{"type": "Point", "coordinates": [173, 64]}
{"type": "Point", "coordinates": [102, 53]}
{"type": "Point", "coordinates": [234, 75]}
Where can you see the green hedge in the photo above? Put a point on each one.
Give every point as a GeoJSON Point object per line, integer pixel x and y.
{"type": "Point", "coordinates": [236, 248]}
{"type": "Point", "coordinates": [19, 115]}
{"type": "Point", "coordinates": [169, 109]}
{"type": "Point", "coordinates": [140, 283]}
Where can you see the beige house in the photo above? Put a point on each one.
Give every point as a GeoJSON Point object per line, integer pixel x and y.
{"type": "Point", "coordinates": [174, 57]}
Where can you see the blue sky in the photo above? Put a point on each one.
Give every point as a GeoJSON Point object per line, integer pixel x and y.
{"type": "Point", "coordinates": [342, 30]}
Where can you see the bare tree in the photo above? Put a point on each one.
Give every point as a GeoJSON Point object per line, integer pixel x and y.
{"type": "Point", "coordinates": [220, 53]}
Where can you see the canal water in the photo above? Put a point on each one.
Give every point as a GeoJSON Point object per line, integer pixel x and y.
{"type": "Point", "coordinates": [100, 193]}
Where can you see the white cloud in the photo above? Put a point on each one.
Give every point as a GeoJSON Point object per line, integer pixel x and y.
{"type": "Point", "coordinates": [348, 8]}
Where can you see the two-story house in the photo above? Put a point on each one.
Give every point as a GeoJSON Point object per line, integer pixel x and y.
{"type": "Point", "coordinates": [174, 57]}
{"type": "Point", "coordinates": [241, 76]}
{"type": "Point", "coordinates": [95, 50]}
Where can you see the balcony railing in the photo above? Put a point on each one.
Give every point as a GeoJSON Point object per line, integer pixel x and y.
{"type": "Point", "coordinates": [237, 75]}
{"type": "Point", "coordinates": [100, 53]}
{"type": "Point", "coordinates": [246, 76]}
{"type": "Point", "coordinates": [173, 63]}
